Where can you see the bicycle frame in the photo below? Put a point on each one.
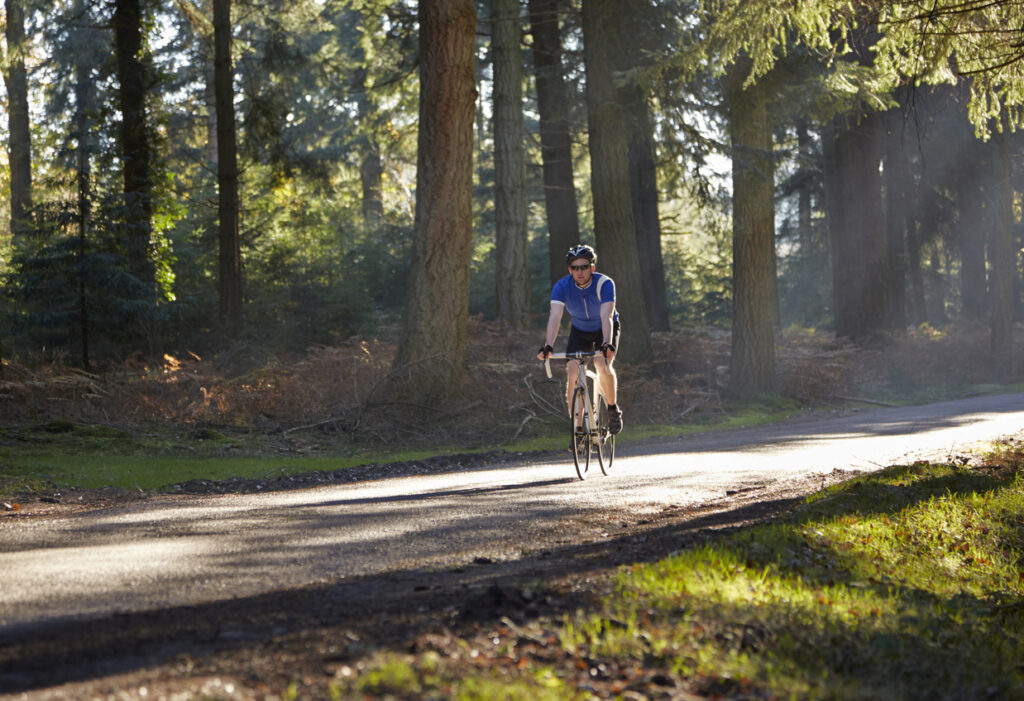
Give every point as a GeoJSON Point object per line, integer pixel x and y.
{"type": "Point", "coordinates": [591, 428]}
{"type": "Point", "coordinates": [583, 357]}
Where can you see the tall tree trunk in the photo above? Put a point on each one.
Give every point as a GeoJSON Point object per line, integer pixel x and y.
{"type": "Point", "coordinates": [134, 134]}
{"type": "Point", "coordinates": [609, 156]}
{"type": "Point", "coordinates": [555, 137]}
{"type": "Point", "coordinates": [511, 244]}
{"type": "Point", "coordinates": [429, 361]}
{"type": "Point", "coordinates": [230, 252]}
{"type": "Point", "coordinates": [371, 168]}
{"type": "Point", "coordinates": [897, 216]}
{"type": "Point", "coordinates": [925, 201]}
{"type": "Point", "coordinates": [18, 134]}
{"type": "Point", "coordinates": [207, 41]}
{"type": "Point", "coordinates": [805, 231]}
{"type": "Point", "coordinates": [754, 287]}
{"type": "Point", "coordinates": [83, 108]}
{"type": "Point", "coordinates": [857, 230]}
{"type": "Point", "coordinates": [644, 190]}
{"type": "Point", "coordinates": [1004, 259]}
{"type": "Point", "coordinates": [972, 193]}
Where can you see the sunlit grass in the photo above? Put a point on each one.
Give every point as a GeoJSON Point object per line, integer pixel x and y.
{"type": "Point", "coordinates": [907, 583]}
{"type": "Point", "coordinates": [153, 473]}
{"type": "Point", "coordinates": [389, 675]}
{"type": "Point", "coordinates": [904, 584]}
{"type": "Point", "coordinates": [65, 456]}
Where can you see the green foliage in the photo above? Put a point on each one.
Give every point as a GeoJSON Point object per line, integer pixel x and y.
{"type": "Point", "coordinates": [696, 246]}
{"type": "Point", "coordinates": [924, 42]}
{"type": "Point", "coordinates": [898, 584]}
{"type": "Point", "coordinates": [324, 85]}
{"type": "Point", "coordinates": [430, 676]}
{"type": "Point", "coordinates": [57, 282]}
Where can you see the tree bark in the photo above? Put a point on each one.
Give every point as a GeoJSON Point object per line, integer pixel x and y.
{"type": "Point", "coordinates": [857, 230]}
{"type": "Point", "coordinates": [83, 108]}
{"type": "Point", "coordinates": [230, 253]}
{"type": "Point", "coordinates": [511, 243]}
{"type": "Point", "coordinates": [429, 361]}
{"type": "Point", "coordinates": [1004, 259]}
{"type": "Point", "coordinates": [614, 226]}
{"type": "Point", "coordinates": [555, 137]}
{"type": "Point", "coordinates": [970, 183]}
{"type": "Point", "coordinates": [134, 134]}
{"type": "Point", "coordinates": [644, 190]}
{"type": "Point", "coordinates": [19, 136]}
{"type": "Point", "coordinates": [809, 257]}
{"type": "Point", "coordinates": [371, 168]}
{"type": "Point", "coordinates": [897, 217]}
{"type": "Point", "coordinates": [752, 364]}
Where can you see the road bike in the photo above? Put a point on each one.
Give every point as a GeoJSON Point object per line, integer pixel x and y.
{"type": "Point", "coordinates": [588, 414]}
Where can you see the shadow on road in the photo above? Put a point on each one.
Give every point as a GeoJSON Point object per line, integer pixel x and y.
{"type": "Point", "coordinates": [371, 611]}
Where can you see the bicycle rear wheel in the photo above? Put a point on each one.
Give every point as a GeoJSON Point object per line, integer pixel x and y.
{"type": "Point", "coordinates": [605, 438]}
{"type": "Point", "coordinates": [580, 437]}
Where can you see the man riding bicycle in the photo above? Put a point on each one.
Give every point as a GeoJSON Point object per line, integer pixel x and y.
{"type": "Point", "coordinates": [589, 297]}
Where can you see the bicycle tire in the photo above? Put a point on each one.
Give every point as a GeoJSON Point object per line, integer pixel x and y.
{"type": "Point", "coordinates": [605, 438]}
{"type": "Point", "coordinates": [580, 442]}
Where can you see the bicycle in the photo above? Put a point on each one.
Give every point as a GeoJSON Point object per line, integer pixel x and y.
{"type": "Point", "coordinates": [588, 414]}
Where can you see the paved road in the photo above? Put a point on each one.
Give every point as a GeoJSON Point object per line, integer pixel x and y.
{"type": "Point", "coordinates": [185, 550]}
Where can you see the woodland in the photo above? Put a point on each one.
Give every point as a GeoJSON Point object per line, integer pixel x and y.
{"type": "Point", "coordinates": [219, 178]}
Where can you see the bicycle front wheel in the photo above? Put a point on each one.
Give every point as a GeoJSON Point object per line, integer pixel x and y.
{"type": "Point", "coordinates": [605, 438]}
{"type": "Point", "coordinates": [580, 436]}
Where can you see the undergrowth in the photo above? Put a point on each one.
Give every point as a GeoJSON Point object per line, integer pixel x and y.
{"type": "Point", "coordinates": [331, 404]}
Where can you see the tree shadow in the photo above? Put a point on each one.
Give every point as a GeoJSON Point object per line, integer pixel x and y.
{"type": "Point", "coordinates": [378, 610]}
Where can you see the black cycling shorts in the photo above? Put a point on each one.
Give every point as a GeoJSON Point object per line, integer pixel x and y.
{"type": "Point", "coordinates": [590, 340]}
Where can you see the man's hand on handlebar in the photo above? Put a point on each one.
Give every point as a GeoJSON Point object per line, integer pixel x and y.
{"type": "Point", "coordinates": [544, 352]}
{"type": "Point", "coordinates": [608, 350]}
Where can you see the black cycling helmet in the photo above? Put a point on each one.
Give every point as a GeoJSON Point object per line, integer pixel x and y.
{"type": "Point", "coordinates": [581, 251]}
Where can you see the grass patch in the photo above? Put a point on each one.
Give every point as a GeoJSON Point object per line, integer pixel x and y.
{"type": "Point", "coordinates": [427, 676]}
{"type": "Point", "coordinates": [902, 584]}
{"type": "Point", "coordinates": [63, 455]}
{"type": "Point", "coordinates": [66, 455]}
{"type": "Point", "coordinates": [151, 473]}
{"type": "Point", "coordinates": [907, 583]}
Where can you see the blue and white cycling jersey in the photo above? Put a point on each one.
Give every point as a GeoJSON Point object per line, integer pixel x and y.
{"type": "Point", "coordinates": [584, 305]}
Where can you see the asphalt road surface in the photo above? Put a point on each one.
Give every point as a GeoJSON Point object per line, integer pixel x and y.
{"type": "Point", "coordinates": [171, 551]}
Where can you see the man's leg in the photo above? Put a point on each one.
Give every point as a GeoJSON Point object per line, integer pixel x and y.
{"type": "Point", "coordinates": [572, 370]}
{"type": "Point", "coordinates": [610, 386]}
{"type": "Point", "coordinates": [609, 380]}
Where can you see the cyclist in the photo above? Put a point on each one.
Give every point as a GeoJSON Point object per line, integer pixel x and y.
{"type": "Point", "coordinates": [589, 297]}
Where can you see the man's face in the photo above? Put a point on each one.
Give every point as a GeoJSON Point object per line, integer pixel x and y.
{"type": "Point", "coordinates": [581, 270]}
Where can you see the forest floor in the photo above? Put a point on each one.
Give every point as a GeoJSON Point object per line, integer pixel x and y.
{"type": "Point", "coordinates": [304, 643]}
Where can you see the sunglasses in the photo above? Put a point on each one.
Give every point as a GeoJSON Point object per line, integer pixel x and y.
{"type": "Point", "coordinates": [580, 267]}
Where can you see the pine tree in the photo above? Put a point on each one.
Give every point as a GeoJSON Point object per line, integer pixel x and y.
{"type": "Point", "coordinates": [136, 153]}
{"type": "Point", "coordinates": [230, 255]}
{"type": "Point", "coordinates": [19, 134]}
{"type": "Point", "coordinates": [555, 136]}
{"type": "Point", "coordinates": [614, 226]}
{"type": "Point", "coordinates": [429, 360]}
{"type": "Point", "coordinates": [754, 292]}
{"type": "Point", "coordinates": [511, 239]}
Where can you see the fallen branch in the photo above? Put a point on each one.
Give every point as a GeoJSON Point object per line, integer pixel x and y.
{"type": "Point", "coordinates": [522, 425]}
{"type": "Point", "coordinates": [688, 409]}
{"type": "Point", "coordinates": [861, 399]}
{"type": "Point", "coordinates": [540, 401]}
